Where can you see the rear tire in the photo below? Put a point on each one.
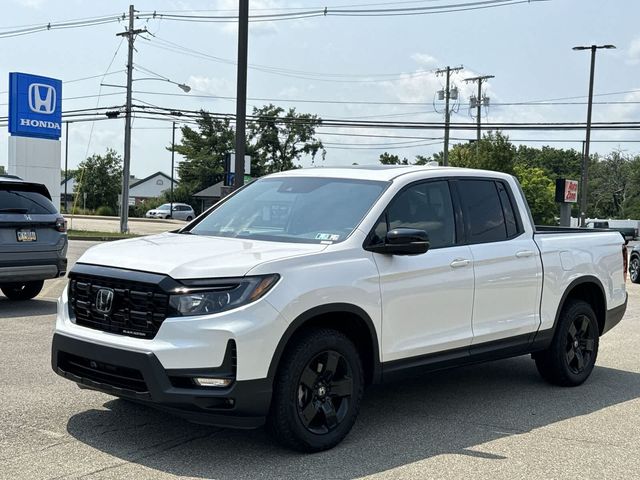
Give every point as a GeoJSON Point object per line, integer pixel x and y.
{"type": "Point", "coordinates": [634, 269]}
{"type": "Point", "coordinates": [317, 392]}
{"type": "Point", "coordinates": [189, 218]}
{"type": "Point", "coordinates": [572, 355]}
{"type": "Point", "coordinates": [22, 291]}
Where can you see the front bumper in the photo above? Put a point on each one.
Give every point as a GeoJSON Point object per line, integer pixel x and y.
{"type": "Point", "coordinates": [140, 376]}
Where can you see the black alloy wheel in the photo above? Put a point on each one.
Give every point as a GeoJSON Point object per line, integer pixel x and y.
{"type": "Point", "coordinates": [634, 269]}
{"type": "Point", "coordinates": [580, 344]}
{"type": "Point", "coordinates": [324, 392]}
{"type": "Point", "coordinates": [317, 391]}
{"type": "Point", "coordinates": [572, 354]}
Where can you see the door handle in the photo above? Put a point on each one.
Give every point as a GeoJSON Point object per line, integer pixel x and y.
{"type": "Point", "coordinates": [460, 262]}
{"type": "Point", "coordinates": [525, 253]}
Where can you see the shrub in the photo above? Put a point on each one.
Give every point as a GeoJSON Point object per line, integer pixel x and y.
{"type": "Point", "coordinates": [105, 211]}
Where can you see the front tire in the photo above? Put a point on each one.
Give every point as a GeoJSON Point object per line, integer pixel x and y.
{"type": "Point", "coordinates": [22, 291]}
{"type": "Point", "coordinates": [317, 392]}
{"type": "Point", "coordinates": [634, 269]}
{"type": "Point", "coordinates": [572, 355]}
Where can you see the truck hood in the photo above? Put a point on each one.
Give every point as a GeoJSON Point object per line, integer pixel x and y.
{"type": "Point", "coordinates": [193, 256]}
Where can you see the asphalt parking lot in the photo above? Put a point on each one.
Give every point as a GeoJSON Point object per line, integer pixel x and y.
{"type": "Point", "coordinates": [492, 421]}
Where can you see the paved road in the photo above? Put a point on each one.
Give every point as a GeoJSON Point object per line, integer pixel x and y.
{"type": "Point", "coordinates": [112, 224]}
{"type": "Point", "coordinates": [491, 421]}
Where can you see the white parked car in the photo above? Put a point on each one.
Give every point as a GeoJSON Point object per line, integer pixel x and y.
{"type": "Point", "coordinates": [181, 211]}
{"type": "Point", "coordinates": [284, 301]}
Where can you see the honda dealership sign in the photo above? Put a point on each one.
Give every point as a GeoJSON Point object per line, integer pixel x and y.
{"type": "Point", "coordinates": [35, 106]}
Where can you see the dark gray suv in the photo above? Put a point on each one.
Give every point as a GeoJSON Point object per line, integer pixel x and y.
{"type": "Point", "coordinates": [33, 238]}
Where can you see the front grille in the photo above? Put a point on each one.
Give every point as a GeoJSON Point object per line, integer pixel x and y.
{"type": "Point", "coordinates": [104, 373]}
{"type": "Point", "coordinates": [137, 309]}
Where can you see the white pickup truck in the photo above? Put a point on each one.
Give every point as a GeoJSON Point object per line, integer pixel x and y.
{"type": "Point", "coordinates": [284, 300]}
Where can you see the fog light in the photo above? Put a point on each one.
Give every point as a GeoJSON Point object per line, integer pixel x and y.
{"type": "Point", "coordinates": [212, 382]}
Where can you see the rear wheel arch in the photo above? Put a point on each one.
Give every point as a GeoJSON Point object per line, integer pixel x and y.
{"type": "Point", "coordinates": [588, 289]}
{"type": "Point", "coordinates": [348, 319]}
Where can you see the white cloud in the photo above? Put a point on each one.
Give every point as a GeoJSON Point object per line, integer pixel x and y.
{"type": "Point", "coordinates": [424, 58]}
{"type": "Point", "coordinates": [35, 4]}
{"type": "Point", "coordinates": [211, 85]}
{"type": "Point", "coordinates": [633, 52]}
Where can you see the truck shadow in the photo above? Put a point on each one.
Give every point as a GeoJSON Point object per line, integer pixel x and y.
{"type": "Point", "coordinates": [26, 308]}
{"type": "Point", "coordinates": [443, 413]}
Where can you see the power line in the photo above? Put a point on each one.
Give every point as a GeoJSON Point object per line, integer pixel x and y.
{"type": "Point", "coordinates": [295, 15]}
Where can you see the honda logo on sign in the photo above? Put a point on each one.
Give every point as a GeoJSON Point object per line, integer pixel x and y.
{"type": "Point", "coordinates": [104, 301]}
{"type": "Point", "coordinates": [42, 98]}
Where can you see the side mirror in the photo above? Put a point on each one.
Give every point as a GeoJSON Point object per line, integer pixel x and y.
{"type": "Point", "coordinates": [403, 241]}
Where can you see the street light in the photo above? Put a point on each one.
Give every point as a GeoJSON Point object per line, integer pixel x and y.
{"type": "Point", "coordinates": [183, 86]}
{"type": "Point", "coordinates": [585, 158]}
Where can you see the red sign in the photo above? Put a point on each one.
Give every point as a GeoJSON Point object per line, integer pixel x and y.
{"type": "Point", "coordinates": [570, 191]}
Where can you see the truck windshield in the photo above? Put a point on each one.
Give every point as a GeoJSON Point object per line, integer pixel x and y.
{"type": "Point", "coordinates": [293, 209]}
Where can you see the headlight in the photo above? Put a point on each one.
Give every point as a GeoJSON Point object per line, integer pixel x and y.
{"type": "Point", "coordinates": [202, 297]}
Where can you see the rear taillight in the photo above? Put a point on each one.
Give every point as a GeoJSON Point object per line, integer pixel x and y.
{"type": "Point", "coordinates": [61, 224]}
{"type": "Point", "coordinates": [625, 262]}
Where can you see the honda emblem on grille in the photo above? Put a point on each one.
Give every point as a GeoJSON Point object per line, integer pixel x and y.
{"type": "Point", "coordinates": [104, 300]}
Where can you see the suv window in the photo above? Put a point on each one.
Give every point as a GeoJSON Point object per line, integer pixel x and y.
{"type": "Point", "coordinates": [426, 206]}
{"type": "Point", "coordinates": [18, 199]}
{"type": "Point", "coordinates": [483, 211]}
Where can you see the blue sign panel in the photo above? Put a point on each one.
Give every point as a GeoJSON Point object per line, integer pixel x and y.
{"type": "Point", "coordinates": [35, 106]}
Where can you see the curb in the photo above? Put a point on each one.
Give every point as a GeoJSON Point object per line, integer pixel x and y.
{"type": "Point", "coordinates": [131, 219]}
{"type": "Point", "coordinates": [97, 239]}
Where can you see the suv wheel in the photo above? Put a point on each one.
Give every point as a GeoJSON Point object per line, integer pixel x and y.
{"type": "Point", "coordinates": [22, 291]}
{"type": "Point", "coordinates": [572, 355]}
{"type": "Point", "coordinates": [634, 269]}
{"type": "Point", "coordinates": [189, 218]}
{"type": "Point", "coordinates": [317, 392]}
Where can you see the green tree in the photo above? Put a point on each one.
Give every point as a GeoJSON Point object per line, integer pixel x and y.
{"type": "Point", "coordinates": [539, 190]}
{"type": "Point", "coordinates": [390, 159]}
{"type": "Point", "coordinates": [610, 186]}
{"type": "Point", "coordinates": [278, 138]}
{"type": "Point", "coordinates": [493, 152]}
{"type": "Point", "coordinates": [556, 162]}
{"type": "Point", "coordinates": [2, 170]}
{"type": "Point", "coordinates": [204, 149]}
{"type": "Point", "coordinates": [100, 177]}
{"type": "Point", "coordinates": [631, 207]}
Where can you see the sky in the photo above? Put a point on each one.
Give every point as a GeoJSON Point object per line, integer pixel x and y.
{"type": "Point", "coordinates": [329, 65]}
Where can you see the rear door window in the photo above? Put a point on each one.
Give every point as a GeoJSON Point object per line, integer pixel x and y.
{"type": "Point", "coordinates": [16, 200]}
{"type": "Point", "coordinates": [483, 212]}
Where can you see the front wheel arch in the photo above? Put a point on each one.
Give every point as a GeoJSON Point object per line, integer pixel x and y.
{"type": "Point", "coordinates": [348, 319]}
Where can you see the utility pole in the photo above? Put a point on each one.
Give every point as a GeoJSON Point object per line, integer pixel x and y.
{"type": "Point", "coordinates": [585, 156]}
{"type": "Point", "coordinates": [173, 155]}
{"type": "Point", "coordinates": [447, 111]}
{"type": "Point", "coordinates": [66, 164]}
{"type": "Point", "coordinates": [480, 101]}
{"type": "Point", "coordinates": [241, 92]}
{"type": "Point", "coordinates": [130, 33]}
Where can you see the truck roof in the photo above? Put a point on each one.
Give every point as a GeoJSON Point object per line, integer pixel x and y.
{"type": "Point", "coordinates": [384, 172]}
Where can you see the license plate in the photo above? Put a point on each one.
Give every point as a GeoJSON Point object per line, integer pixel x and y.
{"type": "Point", "coordinates": [26, 235]}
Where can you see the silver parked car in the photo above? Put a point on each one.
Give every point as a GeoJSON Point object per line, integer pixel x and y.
{"type": "Point", "coordinates": [33, 238]}
{"type": "Point", "coordinates": [181, 211]}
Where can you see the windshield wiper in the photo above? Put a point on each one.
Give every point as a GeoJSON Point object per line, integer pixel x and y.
{"type": "Point", "coordinates": [14, 210]}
